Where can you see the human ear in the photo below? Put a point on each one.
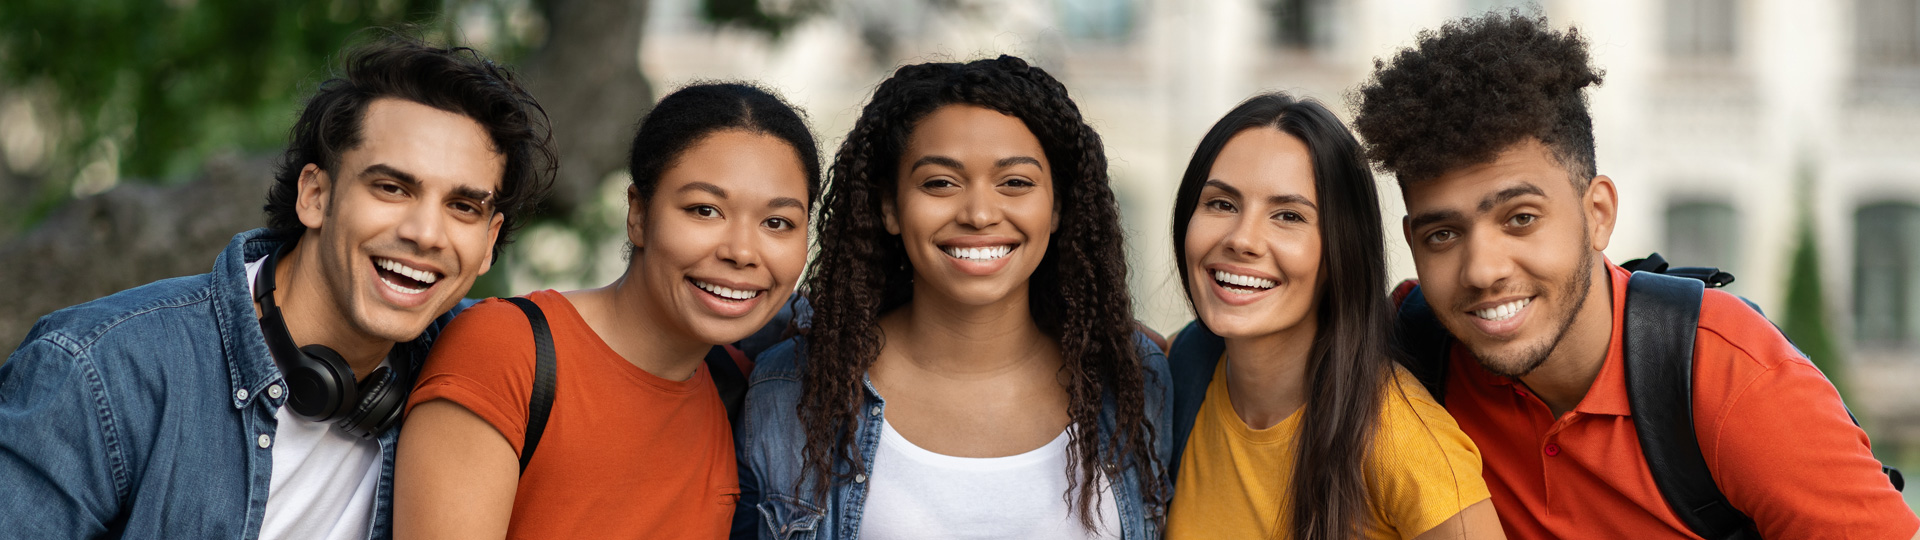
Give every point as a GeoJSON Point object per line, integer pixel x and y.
{"type": "Point", "coordinates": [887, 216]}
{"type": "Point", "coordinates": [636, 218]}
{"type": "Point", "coordinates": [1602, 206]}
{"type": "Point", "coordinates": [493, 235]}
{"type": "Point", "coordinates": [312, 195]}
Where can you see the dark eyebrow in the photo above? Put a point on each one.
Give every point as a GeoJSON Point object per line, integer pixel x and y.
{"type": "Point", "coordinates": [1487, 204]}
{"type": "Point", "coordinates": [1277, 200]}
{"type": "Point", "coordinates": [1016, 160]}
{"type": "Point", "coordinates": [786, 202]}
{"type": "Point", "coordinates": [942, 161]}
{"type": "Point", "coordinates": [703, 186]}
{"type": "Point", "coordinates": [1222, 185]}
{"type": "Point", "coordinates": [485, 197]}
{"type": "Point", "coordinates": [1436, 216]}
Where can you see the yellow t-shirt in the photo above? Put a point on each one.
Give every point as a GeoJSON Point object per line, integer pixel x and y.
{"type": "Point", "coordinates": [1235, 481]}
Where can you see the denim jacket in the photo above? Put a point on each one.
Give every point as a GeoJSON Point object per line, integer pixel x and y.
{"type": "Point", "coordinates": [775, 505]}
{"type": "Point", "coordinates": [145, 414]}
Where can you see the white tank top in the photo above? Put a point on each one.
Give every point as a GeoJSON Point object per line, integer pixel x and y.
{"type": "Point", "coordinates": [915, 493]}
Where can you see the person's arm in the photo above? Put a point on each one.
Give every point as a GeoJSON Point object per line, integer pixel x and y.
{"type": "Point", "coordinates": [56, 460]}
{"type": "Point", "coordinates": [454, 476]}
{"type": "Point", "coordinates": [1477, 522]}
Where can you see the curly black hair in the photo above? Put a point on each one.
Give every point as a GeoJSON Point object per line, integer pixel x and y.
{"type": "Point", "coordinates": [1477, 87]}
{"type": "Point", "coordinates": [861, 272]}
{"type": "Point", "coordinates": [452, 79]}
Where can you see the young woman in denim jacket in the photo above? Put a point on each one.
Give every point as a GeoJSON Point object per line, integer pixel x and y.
{"type": "Point", "coordinates": [972, 367]}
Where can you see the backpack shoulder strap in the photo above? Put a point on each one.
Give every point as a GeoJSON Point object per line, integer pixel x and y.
{"type": "Point", "coordinates": [1190, 359]}
{"type": "Point", "coordinates": [1662, 317]}
{"type": "Point", "coordinates": [1424, 343]}
{"type": "Point", "coordinates": [540, 403]}
{"type": "Point", "coordinates": [726, 364]}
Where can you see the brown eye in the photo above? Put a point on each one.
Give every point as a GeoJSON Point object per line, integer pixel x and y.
{"type": "Point", "coordinates": [704, 210]}
{"type": "Point", "coordinates": [1522, 220]}
{"type": "Point", "coordinates": [1220, 205]}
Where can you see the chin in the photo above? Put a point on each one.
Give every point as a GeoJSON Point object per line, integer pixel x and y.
{"type": "Point", "coordinates": [1512, 359]}
{"type": "Point", "coordinates": [722, 332]}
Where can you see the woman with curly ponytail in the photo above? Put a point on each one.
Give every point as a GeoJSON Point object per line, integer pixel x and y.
{"type": "Point", "coordinates": [971, 367]}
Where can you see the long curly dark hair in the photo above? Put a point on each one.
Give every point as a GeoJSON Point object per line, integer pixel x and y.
{"type": "Point", "coordinates": [861, 272]}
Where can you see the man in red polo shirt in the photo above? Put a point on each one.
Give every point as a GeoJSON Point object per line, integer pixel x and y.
{"type": "Point", "coordinates": [1485, 125]}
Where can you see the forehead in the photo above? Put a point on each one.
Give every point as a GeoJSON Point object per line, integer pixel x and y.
{"type": "Point", "coordinates": [1464, 189]}
{"type": "Point", "coordinates": [970, 132]}
{"type": "Point", "coordinates": [757, 166]}
{"type": "Point", "coordinates": [432, 145]}
{"type": "Point", "coordinates": [1265, 160]}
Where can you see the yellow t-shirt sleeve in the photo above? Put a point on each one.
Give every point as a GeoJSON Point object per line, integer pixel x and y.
{"type": "Point", "coordinates": [1425, 470]}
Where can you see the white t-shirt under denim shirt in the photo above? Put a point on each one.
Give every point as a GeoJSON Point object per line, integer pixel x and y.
{"type": "Point", "coordinates": [919, 494]}
{"type": "Point", "coordinates": [323, 480]}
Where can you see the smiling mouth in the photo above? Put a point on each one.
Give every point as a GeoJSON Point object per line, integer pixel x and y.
{"type": "Point", "coordinates": [725, 293]}
{"type": "Point", "coordinates": [1239, 284]}
{"type": "Point", "coordinates": [984, 253]}
{"type": "Point", "coordinates": [1503, 311]}
{"type": "Point", "coordinates": [402, 278]}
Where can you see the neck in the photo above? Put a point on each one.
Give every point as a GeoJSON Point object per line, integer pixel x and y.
{"type": "Point", "coordinates": [1267, 375]}
{"type": "Point", "coordinates": [627, 304]}
{"type": "Point", "coordinates": [1564, 378]}
{"type": "Point", "coordinates": [313, 318]}
{"type": "Point", "coordinates": [948, 337]}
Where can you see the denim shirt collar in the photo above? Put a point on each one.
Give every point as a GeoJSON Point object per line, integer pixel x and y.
{"type": "Point", "coordinates": [250, 366]}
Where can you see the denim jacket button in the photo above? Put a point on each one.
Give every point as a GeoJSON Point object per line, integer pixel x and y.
{"type": "Point", "coordinates": [240, 395]}
{"type": "Point", "coordinates": [273, 391]}
{"type": "Point", "coordinates": [265, 440]}
{"type": "Point", "coordinates": [875, 411]}
{"type": "Point", "coordinates": [857, 479]}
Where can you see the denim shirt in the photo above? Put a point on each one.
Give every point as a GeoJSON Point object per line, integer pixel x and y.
{"type": "Point", "coordinates": [776, 505]}
{"type": "Point", "coordinates": [145, 414]}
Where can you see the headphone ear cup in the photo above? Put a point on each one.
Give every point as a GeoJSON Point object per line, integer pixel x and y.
{"type": "Point", "coordinates": [378, 407]}
{"type": "Point", "coordinates": [320, 384]}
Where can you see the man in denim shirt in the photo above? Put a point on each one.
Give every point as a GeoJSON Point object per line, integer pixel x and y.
{"type": "Point", "coordinates": [188, 408]}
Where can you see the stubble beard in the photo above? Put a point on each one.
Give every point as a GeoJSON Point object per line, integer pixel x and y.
{"type": "Point", "coordinates": [1525, 361]}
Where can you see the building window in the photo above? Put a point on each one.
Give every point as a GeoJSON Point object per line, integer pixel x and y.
{"type": "Point", "coordinates": [1096, 20]}
{"type": "Point", "coordinates": [1301, 24]}
{"type": "Point", "coordinates": [1887, 33]}
{"type": "Point", "coordinates": [1702, 29]}
{"type": "Point", "coordinates": [1886, 274]}
{"type": "Point", "coordinates": [1702, 233]}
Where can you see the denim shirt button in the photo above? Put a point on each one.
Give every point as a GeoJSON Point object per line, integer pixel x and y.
{"type": "Point", "coordinates": [272, 391]}
{"type": "Point", "coordinates": [240, 395]}
{"type": "Point", "coordinates": [265, 440]}
{"type": "Point", "coordinates": [875, 411]}
{"type": "Point", "coordinates": [857, 479]}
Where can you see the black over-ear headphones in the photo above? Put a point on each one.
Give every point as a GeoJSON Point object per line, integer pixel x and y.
{"type": "Point", "coordinates": [319, 382]}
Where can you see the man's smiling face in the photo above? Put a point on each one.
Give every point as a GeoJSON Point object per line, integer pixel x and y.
{"type": "Point", "coordinates": [406, 221]}
{"type": "Point", "coordinates": [1506, 252]}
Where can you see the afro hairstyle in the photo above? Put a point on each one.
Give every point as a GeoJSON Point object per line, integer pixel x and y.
{"type": "Point", "coordinates": [1475, 88]}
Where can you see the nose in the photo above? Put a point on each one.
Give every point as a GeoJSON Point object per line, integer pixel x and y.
{"type": "Point", "coordinates": [741, 247]}
{"type": "Point", "coordinates": [1244, 239]}
{"type": "Point", "coordinates": [424, 226]}
{"type": "Point", "coordinates": [1486, 263]}
{"type": "Point", "coordinates": [981, 209]}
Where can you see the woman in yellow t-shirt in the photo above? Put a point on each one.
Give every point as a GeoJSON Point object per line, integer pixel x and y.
{"type": "Point", "coordinates": [1304, 426]}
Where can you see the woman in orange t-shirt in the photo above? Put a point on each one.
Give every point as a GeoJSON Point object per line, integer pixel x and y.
{"type": "Point", "coordinates": [637, 443]}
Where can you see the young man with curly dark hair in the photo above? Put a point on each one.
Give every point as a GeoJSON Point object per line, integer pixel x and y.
{"type": "Point", "coordinates": [1485, 124]}
{"type": "Point", "coordinates": [258, 400]}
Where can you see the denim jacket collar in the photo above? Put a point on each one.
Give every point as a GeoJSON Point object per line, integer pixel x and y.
{"type": "Point", "coordinates": [250, 366]}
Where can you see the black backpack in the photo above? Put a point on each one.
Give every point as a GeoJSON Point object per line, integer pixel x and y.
{"type": "Point", "coordinates": [726, 372]}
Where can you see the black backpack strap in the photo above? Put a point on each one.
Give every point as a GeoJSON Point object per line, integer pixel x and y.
{"type": "Point", "coordinates": [1662, 316]}
{"type": "Point", "coordinates": [540, 404]}
{"type": "Point", "coordinates": [1424, 344]}
{"type": "Point", "coordinates": [1191, 360]}
{"type": "Point", "coordinates": [729, 380]}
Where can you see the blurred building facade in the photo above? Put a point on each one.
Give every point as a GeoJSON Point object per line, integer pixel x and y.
{"type": "Point", "coordinates": [1720, 121]}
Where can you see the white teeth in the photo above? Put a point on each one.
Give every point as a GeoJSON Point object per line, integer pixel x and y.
{"type": "Point", "coordinates": [402, 290]}
{"type": "Point", "coordinates": [978, 254]}
{"type": "Point", "coordinates": [1237, 280]}
{"type": "Point", "coordinates": [394, 266]}
{"type": "Point", "coordinates": [1502, 311]}
{"type": "Point", "coordinates": [723, 292]}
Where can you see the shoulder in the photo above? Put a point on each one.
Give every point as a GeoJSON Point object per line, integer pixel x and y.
{"type": "Point", "coordinates": [1729, 325]}
{"type": "Point", "coordinates": [115, 319]}
{"type": "Point", "coordinates": [782, 362]}
{"type": "Point", "coordinates": [1152, 359]}
{"type": "Point", "coordinates": [1410, 419]}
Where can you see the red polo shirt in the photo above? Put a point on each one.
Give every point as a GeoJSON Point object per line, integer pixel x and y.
{"type": "Point", "coordinates": [1771, 427]}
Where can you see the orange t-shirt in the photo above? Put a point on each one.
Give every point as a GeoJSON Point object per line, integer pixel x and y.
{"type": "Point", "coordinates": [625, 454]}
{"type": "Point", "coordinates": [1771, 427]}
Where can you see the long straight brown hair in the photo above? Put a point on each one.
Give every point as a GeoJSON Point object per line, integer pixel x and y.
{"type": "Point", "coordinates": [1350, 360]}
